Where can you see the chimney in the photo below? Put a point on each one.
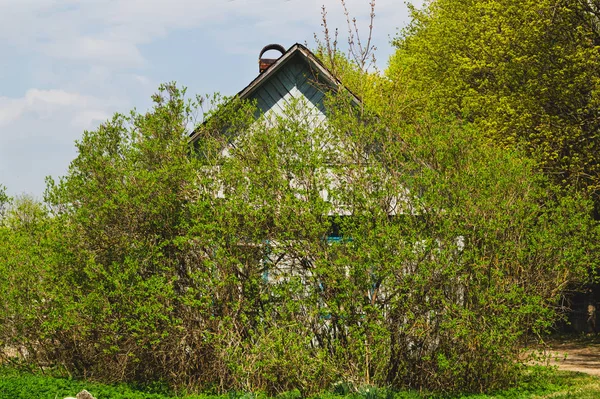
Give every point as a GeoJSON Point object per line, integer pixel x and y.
{"type": "Point", "coordinates": [265, 63]}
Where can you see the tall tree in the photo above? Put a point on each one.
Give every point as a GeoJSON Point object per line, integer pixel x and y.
{"type": "Point", "coordinates": [526, 72]}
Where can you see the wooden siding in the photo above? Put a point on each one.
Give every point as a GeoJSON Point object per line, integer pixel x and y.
{"type": "Point", "coordinates": [293, 82]}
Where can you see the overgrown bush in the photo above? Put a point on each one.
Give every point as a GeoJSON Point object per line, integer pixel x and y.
{"type": "Point", "coordinates": [284, 254]}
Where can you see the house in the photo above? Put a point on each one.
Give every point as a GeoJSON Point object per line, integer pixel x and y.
{"type": "Point", "coordinates": [296, 75]}
{"type": "Point", "coordinates": [299, 77]}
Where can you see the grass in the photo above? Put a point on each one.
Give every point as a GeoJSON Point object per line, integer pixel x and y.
{"type": "Point", "coordinates": [557, 385]}
{"type": "Point", "coordinates": [541, 383]}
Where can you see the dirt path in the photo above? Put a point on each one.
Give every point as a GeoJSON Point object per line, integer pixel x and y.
{"type": "Point", "coordinates": [582, 355]}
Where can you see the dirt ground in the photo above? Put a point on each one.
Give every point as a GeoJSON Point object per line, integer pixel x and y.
{"type": "Point", "coordinates": [580, 354]}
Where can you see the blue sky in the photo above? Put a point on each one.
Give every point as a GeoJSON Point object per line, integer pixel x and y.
{"type": "Point", "coordinates": [68, 65]}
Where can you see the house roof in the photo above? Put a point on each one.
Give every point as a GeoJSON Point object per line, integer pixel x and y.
{"type": "Point", "coordinates": [319, 71]}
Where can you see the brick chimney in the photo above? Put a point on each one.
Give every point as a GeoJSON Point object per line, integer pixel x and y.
{"type": "Point", "coordinates": [265, 63]}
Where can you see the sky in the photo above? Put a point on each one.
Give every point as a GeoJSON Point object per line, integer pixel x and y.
{"type": "Point", "coordinates": [68, 65]}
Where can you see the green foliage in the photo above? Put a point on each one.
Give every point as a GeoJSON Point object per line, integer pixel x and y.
{"type": "Point", "coordinates": [527, 73]}
{"type": "Point", "coordinates": [538, 384]}
{"type": "Point", "coordinates": [4, 202]}
{"type": "Point", "coordinates": [21, 385]}
{"type": "Point", "coordinates": [451, 252]}
{"type": "Point", "coordinates": [454, 278]}
{"type": "Point", "coordinates": [111, 307]}
{"type": "Point", "coordinates": [393, 246]}
{"type": "Point", "coordinates": [278, 253]}
{"type": "Point", "coordinates": [24, 234]}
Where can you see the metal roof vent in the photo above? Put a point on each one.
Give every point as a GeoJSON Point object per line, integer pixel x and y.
{"type": "Point", "coordinates": [265, 63]}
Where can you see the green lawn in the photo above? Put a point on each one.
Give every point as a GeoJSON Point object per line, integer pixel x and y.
{"type": "Point", "coordinates": [540, 384]}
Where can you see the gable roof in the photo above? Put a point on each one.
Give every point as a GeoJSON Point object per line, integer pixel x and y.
{"type": "Point", "coordinates": [319, 73]}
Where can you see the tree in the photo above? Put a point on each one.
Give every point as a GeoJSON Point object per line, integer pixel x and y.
{"type": "Point", "coordinates": [526, 73]}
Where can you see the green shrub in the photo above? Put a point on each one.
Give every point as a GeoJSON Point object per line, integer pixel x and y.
{"type": "Point", "coordinates": [429, 260]}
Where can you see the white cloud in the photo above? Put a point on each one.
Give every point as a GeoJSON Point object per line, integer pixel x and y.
{"type": "Point", "coordinates": [87, 119]}
{"type": "Point", "coordinates": [44, 104]}
{"type": "Point", "coordinates": [97, 50]}
{"type": "Point", "coordinates": [36, 97]}
{"type": "Point", "coordinates": [9, 110]}
{"type": "Point", "coordinates": [112, 31]}
{"type": "Point", "coordinates": [37, 131]}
